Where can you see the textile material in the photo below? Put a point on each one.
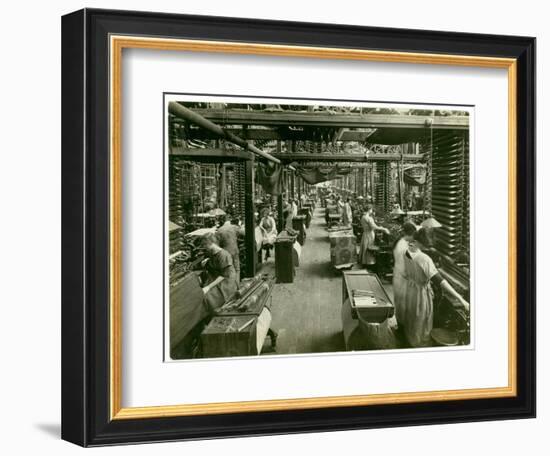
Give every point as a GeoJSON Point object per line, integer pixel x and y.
{"type": "Point", "coordinates": [270, 177]}
{"type": "Point", "coordinates": [320, 174]}
{"type": "Point", "coordinates": [296, 253]}
{"type": "Point", "coordinates": [366, 254]}
{"type": "Point", "coordinates": [365, 336]}
{"type": "Point", "coordinates": [418, 311]}
{"type": "Point", "coordinates": [340, 172]}
{"type": "Point", "coordinates": [262, 327]}
{"type": "Point", "coordinates": [350, 328]}
{"type": "Point", "coordinates": [415, 175]}
{"type": "Point", "coordinates": [399, 280]}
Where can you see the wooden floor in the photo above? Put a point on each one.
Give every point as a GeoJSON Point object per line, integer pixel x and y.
{"type": "Point", "coordinates": [306, 313]}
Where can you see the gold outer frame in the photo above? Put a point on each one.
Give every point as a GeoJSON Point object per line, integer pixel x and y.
{"type": "Point", "coordinates": [116, 46]}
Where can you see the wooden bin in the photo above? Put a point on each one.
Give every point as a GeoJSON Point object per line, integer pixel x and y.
{"type": "Point", "coordinates": [222, 337]}
{"type": "Point", "coordinates": [363, 280]}
{"type": "Point", "coordinates": [299, 225]}
{"type": "Point", "coordinates": [284, 261]}
{"type": "Point", "coordinates": [343, 248]}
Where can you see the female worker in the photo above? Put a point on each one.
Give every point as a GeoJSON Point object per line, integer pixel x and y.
{"type": "Point", "coordinates": [269, 232]}
{"type": "Point", "coordinates": [294, 206]}
{"type": "Point", "coordinates": [288, 214]}
{"type": "Point", "coordinates": [420, 272]}
{"type": "Point", "coordinates": [366, 254]}
{"type": "Point", "coordinates": [340, 206]}
{"type": "Point", "coordinates": [347, 213]}
{"type": "Point", "coordinates": [399, 279]}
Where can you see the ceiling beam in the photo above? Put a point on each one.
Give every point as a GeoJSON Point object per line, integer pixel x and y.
{"type": "Point", "coordinates": [256, 134]}
{"type": "Point", "coordinates": [336, 120]}
{"type": "Point", "coordinates": [178, 110]}
{"type": "Point", "coordinates": [211, 155]}
{"type": "Point", "coordinates": [328, 157]}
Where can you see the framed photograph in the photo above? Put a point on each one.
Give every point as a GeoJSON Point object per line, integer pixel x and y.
{"type": "Point", "coordinates": [280, 227]}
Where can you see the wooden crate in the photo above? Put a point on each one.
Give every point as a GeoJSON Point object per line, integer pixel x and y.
{"type": "Point", "coordinates": [284, 259]}
{"type": "Point", "coordinates": [363, 280]}
{"type": "Point", "coordinates": [333, 219]}
{"type": "Point", "coordinates": [222, 337]}
{"type": "Point", "coordinates": [186, 311]}
{"type": "Point", "coordinates": [343, 248]}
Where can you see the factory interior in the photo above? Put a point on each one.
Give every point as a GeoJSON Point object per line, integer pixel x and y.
{"type": "Point", "coordinates": [299, 229]}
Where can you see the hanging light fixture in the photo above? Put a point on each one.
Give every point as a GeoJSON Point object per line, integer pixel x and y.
{"type": "Point", "coordinates": [430, 222]}
{"type": "Point", "coordinates": [396, 211]}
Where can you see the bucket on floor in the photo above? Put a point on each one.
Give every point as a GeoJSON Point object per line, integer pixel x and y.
{"type": "Point", "coordinates": [444, 337]}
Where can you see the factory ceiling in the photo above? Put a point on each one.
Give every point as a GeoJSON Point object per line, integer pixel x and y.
{"type": "Point", "coordinates": [266, 126]}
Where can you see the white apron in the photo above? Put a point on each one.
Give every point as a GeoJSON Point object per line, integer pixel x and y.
{"type": "Point", "coordinates": [399, 280]}
{"type": "Point", "coordinates": [418, 303]}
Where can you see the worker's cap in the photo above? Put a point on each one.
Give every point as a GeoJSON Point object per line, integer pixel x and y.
{"type": "Point", "coordinates": [409, 228]}
{"type": "Point", "coordinates": [423, 237]}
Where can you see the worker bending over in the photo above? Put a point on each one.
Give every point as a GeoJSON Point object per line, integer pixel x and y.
{"type": "Point", "coordinates": [219, 279]}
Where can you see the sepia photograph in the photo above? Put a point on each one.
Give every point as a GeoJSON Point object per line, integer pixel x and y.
{"type": "Point", "coordinates": [278, 227]}
{"type": "Point", "coordinates": [297, 226]}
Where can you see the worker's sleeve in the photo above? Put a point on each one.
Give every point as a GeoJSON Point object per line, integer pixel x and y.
{"type": "Point", "coordinates": [273, 225]}
{"type": "Point", "coordinates": [371, 223]}
{"type": "Point", "coordinates": [437, 279]}
{"type": "Point", "coordinates": [428, 267]}
{"type": "Point", "coordinates": [226, 264]}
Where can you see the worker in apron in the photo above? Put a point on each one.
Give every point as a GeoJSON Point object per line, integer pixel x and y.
{"type": "Point", "coordinates": [340, 206]}
{"type": "Point", "coordinates": [288, 215]}
{"type": "Point", "coordinates": [347, 213]}
{"type": "Point", "coordinates": [269, 232]}
{"type": "Point", "coordinates": [367, 257]}
{"type": "Point", "coordinates": [420, 273]}
{"type": "Point", "coordinates": [219, 279]}
{"type": "Point", "coordinates": [228, 234]}
{"type": "Point", "coordinates": [294, 205]}
{"type": "Point", "coordinates": [399, 279]}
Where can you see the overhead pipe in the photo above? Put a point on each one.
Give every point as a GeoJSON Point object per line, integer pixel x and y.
{"type": "Point", "coordinates": [187, 114]}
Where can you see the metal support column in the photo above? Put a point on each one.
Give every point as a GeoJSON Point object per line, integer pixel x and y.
{"type": "Point", "coordinates": [280, 220]}
{"type": "Point", "coordinates": [249, 222]}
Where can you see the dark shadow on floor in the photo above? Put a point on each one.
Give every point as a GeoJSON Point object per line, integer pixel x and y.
{"type": "Point", "coordinates": [328, 343]}
{"type": "Point", "coordinates": [51, 429]}
{"type": "Point", "coordinates": [321, 270]}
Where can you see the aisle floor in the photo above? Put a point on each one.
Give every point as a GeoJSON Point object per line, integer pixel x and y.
{"type": "Point", "coordinates": [306, 313]}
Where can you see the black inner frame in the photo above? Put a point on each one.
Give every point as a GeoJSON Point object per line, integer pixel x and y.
{"type": "Point", "coordinates": [85, 225]}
